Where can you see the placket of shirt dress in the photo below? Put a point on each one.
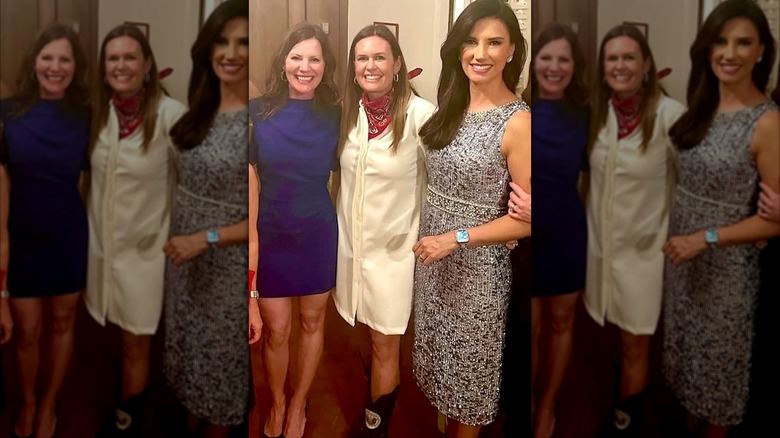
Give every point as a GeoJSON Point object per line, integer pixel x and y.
{"type": "Point", "coordinates": [607, 210]}
{"type": "Point", "coordinates": [357, 210]}
{"type": "Point", "coordinates": [108, 212]}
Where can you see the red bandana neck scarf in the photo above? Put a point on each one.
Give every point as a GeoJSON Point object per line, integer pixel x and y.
{"type": "Point", "coordinates": [627, 112]}
{"type": "Point", "coordinates": [378, 112]}
{"type": "Point", "coordinates": [129, 113]}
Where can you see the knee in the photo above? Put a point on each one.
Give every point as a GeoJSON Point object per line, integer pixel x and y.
{"type": "Point", "coordinates": [385, 349]}
{"type": "Point", "coordinates": [276, 335]}
{"type": "Point", "coordinates": [63, 324]}
{"type": "Point", "coordinates": [536, 327]}
{"type": "Point", "coordinates": [28, 333]}
{"type": "Point", "coordinates": [135, 351]}
{"type": "Point", "coordinates": [312, 323]}
{"type": "Point", "coordinates": [634, 352]}
{"type": "Point", "coordinates": [562, 323]}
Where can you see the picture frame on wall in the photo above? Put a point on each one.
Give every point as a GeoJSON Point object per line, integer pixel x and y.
{"type": "Point", "coordinates": [643, 27]}
{"type": "Point", "coordinates": [206, 8]}
{"type": "Point", "coordinates": [144, 27]}
{"type": "Point", "coordinates": [392, 26]}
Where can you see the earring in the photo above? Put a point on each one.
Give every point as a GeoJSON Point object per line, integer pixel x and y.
{"type": "Point", "coordinates": [146, 77]}
{"type": "Point", "coordinates": [508, 60]}
{"type": "Point", "coordinates": [354, 79]}
{"type": "Point", "coordinates": [284, 77]}
{"type": "Point", "coordinates": [645, 78]}
{"type": "Point", "coordinates": [395, 77]}
{"type": "Point", "coordinates": [760, 58]}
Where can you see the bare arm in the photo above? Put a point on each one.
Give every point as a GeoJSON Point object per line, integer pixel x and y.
{"type": "Point", "coordinates": [335, 185]}
{"type": "Point", "coordinates": [766, 150]}
{"type": "Point", "coordinates": [765, 147]}
{"type": "Point", "coordinates": [5, 192]}
{"type": "Point", "coordinates": [254, 207]}
{"type": "Point", "coordinates": [516, 147]}
{"type": "Point", "coordinates": [255, 320]}
{"type": "Point", "coordinates": [6, 323]}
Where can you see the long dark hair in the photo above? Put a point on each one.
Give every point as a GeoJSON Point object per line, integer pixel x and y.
{"type": "Point", "coordinates": [153, 90]}
{"type": "Point", "coordinates": [703, 92]}
{"type": "Point", "coordinates": [203, 94]}
{"type": "Point", "coordinates": [453, 94]}
{"type": "Point", "coordinates": [602, 92]}
{"type": "Point", "coordinates": [402, 90]}
{"type": "Point", "coordinates": [575, 95]}
{"type": "Point", "coordinates": [277, 90]}
{"type": "Point", "coordinates": [28, 91]}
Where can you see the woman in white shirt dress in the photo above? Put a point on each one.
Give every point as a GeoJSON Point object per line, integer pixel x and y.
{"type": "Point", "coordinates": [628, 207]}
{"type": "Point", "coordinates": [382, 183]}
{"type": "Point", "coordinates": [129, 207]}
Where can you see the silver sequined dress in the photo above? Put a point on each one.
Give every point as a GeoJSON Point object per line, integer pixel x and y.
{"type": "Point", "coordinates": [710, 301]}
{"type": "Point", "coordinates": [461, 301]}
{"type": "Point", "coordinates": [206, 353]}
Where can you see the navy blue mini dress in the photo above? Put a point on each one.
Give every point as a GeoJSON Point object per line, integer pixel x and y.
{"type": "Point", "coordinates": [45, 151]}
{"type": "Point", "coordinates": [560, 235]}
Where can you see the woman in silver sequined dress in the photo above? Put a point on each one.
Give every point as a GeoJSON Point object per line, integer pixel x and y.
{"type": "Point", "coordinates": [479, 140]}
{"type": "Point", "coordinates": [728, 141]}
{"type": "Point", "coordinates": [205, 355]}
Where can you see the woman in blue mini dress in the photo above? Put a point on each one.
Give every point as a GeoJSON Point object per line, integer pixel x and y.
{"type": "Point", "coordinates": [295, 134]}
{"type": "Point", "coordinates": [43, 152]}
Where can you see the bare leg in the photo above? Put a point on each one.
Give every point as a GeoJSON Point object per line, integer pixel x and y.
{"type": "Point", "coordinates": [385, 363]}
{"type": "Point", "coordinates": [460, 430]}
{"type": "Point", "coordinates": [27, 314]}
{"type": "Point", "coordinates": [63, 317]}
{"type": "Point", "coordinates": [708, 430]}
{"type": "Point", "coordinates": [536, 329]}
{"type": "Point", "coordinates": [312, 320]}
{"type": "Point", "coordinates": [634, 364]}
{"type": "Point", "coordinates": [561, 312]}
{"type": "Point", "coordinates": [277, 320]}
{"type": "Point", "coordinates": [214, 431]}
{"type": "Point", "coordinates": [136, 350]}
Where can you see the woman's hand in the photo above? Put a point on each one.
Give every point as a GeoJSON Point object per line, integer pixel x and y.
{"type": "Point", "coordinates": [431, 249]}
{"type": "Point", "coordinates": [683, 248]}
{"type": "Point", "coordinates": [768, 203]}
{"type": "Point", "coordinates": [6, 322]}
{"type": "Point", "coordinates": [519, 203]}
{"type": "Point", "coordinates": [255, 321]}
{"type": "Point", "coordinates": [182, 248]}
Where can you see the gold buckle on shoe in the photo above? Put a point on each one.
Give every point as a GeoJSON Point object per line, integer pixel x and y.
{"type": "Point", "coordinates": [372, 419]}
{"type": "Point", "coordinates": [622, 420]}
{"type": "Point", "coordinates": [123, 420]}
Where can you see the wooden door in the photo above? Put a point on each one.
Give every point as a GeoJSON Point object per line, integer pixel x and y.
{"type": "Point", "coordinates": [21, 20]}
{"type": "Point", "coordinates": [269, 22]}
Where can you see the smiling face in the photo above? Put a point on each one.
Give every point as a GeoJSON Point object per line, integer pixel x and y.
{"type": "Point", "coordinates": [54, 69]}
{"type": "Point", "coordinates": [736, 51]}
{"type": "Point", "coordinates": [303, 68]}
{"type": "Point", "coordinates": [230, 54]}
{"type": "Point", "coordinates": [554, 68]}
{"type": "Point", "coordinates": [375, 66]}
{"type": "Point", "coordinates": [485, 52]}
{"type": "Point", "coordinates": [624, 66]}
{"type": "Point", "coordinates": [125, 66]}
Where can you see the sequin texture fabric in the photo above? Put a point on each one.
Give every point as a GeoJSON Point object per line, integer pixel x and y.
{"type": "Point", "coordinates": [710, 300]}
{"type": "Point", "coordinates": [461, 301]}
{"type": "Point", "coordinates": [205, 355]}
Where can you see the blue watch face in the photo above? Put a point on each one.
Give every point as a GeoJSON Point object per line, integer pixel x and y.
{"type": "Point", "coordinates": [711, 236]}
{"type": "Point", "coordinates": [462, 236]}
{"type": "Point", "coordinates": [212, 236]}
